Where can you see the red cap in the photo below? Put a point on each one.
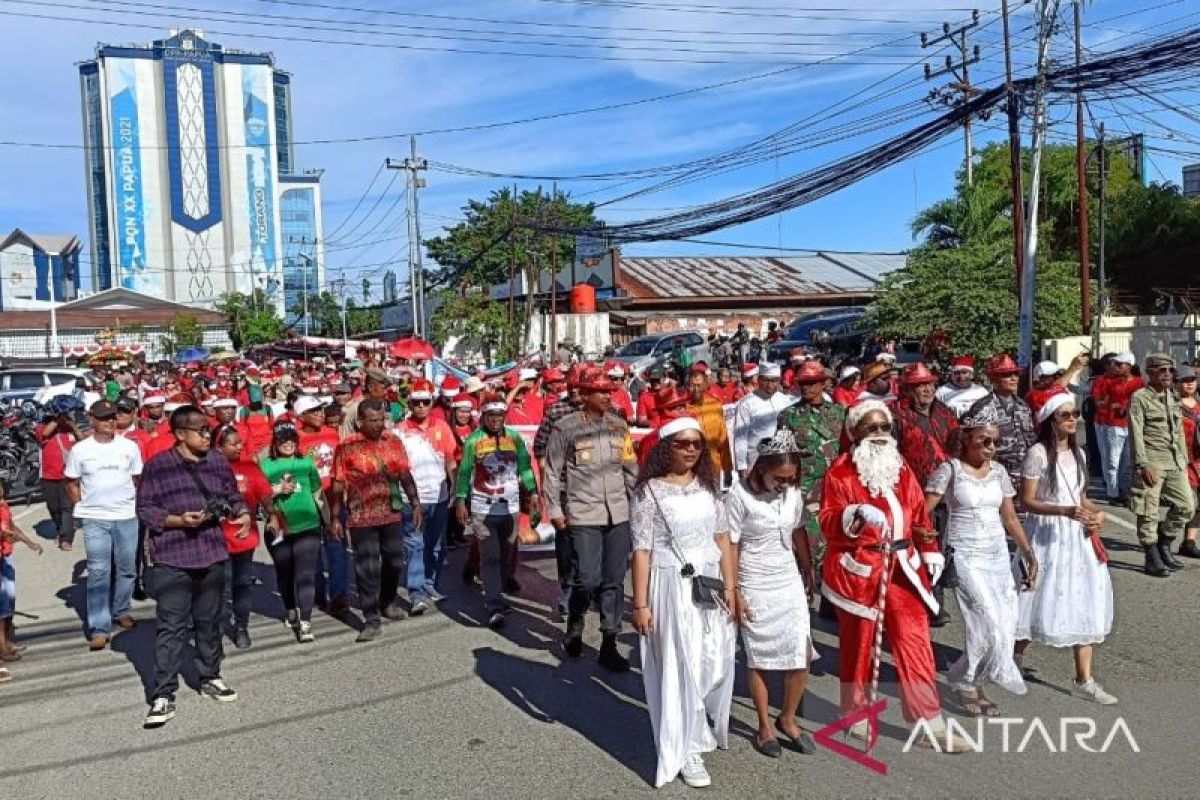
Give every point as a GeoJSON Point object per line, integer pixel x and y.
{"type": "Point", "coordinates": [592, 379]}
{"type": "Point", "coordinates": [552, 375]}
{"type": "Point", "coordinates": [700, 367]}
{"type": "Point", "coordinates": [809, 372]}
{"type": "Point", "coordinates": [917, 374]}
{"type": "Point", "coordinates": [1002, 364]}
{"type": "Point", "coordinates": [668, 398]}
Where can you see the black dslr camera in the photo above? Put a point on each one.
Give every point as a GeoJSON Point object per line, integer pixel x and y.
{"type": "Point", "coordinates": [217, 508]}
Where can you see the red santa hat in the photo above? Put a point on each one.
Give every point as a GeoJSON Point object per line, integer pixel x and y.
{"type": "Point", "coordinates": [962, 363]}
{"type": "Point", "coordinates": [450, 386]}
{"type": "Point", "coordinates": [421, 390]}
{"type": "Point", "coordinates": [466, 401]}
{"type": "Point", "coordinates": [225, 402]}
{"type": "Point", "coordinates": [749, 371]}
{"type": "Point", "coordinates": [614, 368]}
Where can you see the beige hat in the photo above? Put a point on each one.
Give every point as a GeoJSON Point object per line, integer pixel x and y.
{"type": "Point", "coordinates": [473, 385]}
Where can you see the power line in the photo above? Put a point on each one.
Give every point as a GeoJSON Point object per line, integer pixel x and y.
{"type": "Point", "coordinates": [357, 205]}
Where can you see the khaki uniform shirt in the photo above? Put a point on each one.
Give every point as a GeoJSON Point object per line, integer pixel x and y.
{"type": "Point", "coordinates": [590, 470]}
{"type": "Point", "coordinates": [1156, 430]}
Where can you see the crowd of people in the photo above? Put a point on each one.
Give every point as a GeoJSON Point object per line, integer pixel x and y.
{"type": "Point", "coordinates": [731, 502]}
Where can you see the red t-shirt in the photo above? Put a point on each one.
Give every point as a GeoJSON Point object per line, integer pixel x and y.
{"type": "Point", "coordinates": [845, 397]}
{"type": "Point", "coordinates": [161, 443]}
{"type": "Point", "coordinates": [6, 547]}
{"type": "Point", "coordinates": [648, 407]}
{"type": "Point", "coordinates": [252, 484]}
{"type": "Point", "coordinates": [368, 469]}
{"type": "Point", "coordinates": [320, 447]}
{"type": "Point", "coordinates": [54, 452]}
{"type": "Point", "coordinates": [622, 403]}
{"type": "Point", "coordinates": [255, 431]}
{"type": "Point", "coordinates": [528, 411]}
{"type": "Point", "coordinates": [141, 439]}
{"type": "Point", "coordinates": [1112, 399]}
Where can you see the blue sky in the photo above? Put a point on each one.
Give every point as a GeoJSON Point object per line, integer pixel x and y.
{"type": "Point", "coordinates": [364, 82]}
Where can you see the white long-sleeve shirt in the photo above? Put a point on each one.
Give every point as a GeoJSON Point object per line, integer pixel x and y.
{"type": "Point", "coordinates": [960, 400]}
{"type": "Point", "coordinates": [754, 419]}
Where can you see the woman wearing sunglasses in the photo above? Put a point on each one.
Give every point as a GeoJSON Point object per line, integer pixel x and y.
{"type": "Point", "coordinates": [1071, 605]}
{"type": "Point", "coordinates": [679, 535]}
{"type": "Point", "coordinates": [979, 496]}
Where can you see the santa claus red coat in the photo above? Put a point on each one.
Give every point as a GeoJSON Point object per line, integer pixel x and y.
{"type": "Point", "coordinates": [853, 576]}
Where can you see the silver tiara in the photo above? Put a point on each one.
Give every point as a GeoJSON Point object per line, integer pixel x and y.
{"type": "Point", "coordinates": [985, 417]}
{"type": "Point", "coordinates": [782, 443]}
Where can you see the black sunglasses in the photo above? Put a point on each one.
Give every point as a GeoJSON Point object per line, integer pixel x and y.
{"type": "Point", "coordinates": [877, 427]}
{"type": "Point", "coordinates": [687, 444]}
{"type": "Point", "coordinates": [420, 402]}
{"type": "Point", "coordinates": [1073, 414]}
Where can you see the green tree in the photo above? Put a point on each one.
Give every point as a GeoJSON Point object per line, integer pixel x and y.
{"type": "Point", "coordinates": [479, 323]}
{"type": "Point", "coordinates": [497, 243]}
{"type": "Point", "coordinates": [1153, 243]}
{"type": "Point", "coordinates": [252, 319]}
{"type": "Point", "coordinates": [184, 331]}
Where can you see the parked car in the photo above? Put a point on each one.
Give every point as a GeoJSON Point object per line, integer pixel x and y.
{"type": "Point", "coordinates": [646, 351]}
{"type": "Point", "coordinates": [39, 383]}
{"type": "Point", "coordinates": [843, 326]}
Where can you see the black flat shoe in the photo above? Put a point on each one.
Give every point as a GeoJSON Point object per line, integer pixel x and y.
{"type": "Point", "coordinates": [770, 748]}
{"type": "Point", "coordinates": [803, 743]}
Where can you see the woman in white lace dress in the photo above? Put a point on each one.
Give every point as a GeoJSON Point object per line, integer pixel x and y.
{"type": "Point", "coordinates": [766, 522]}
{"type": "Point", "coordinates": [677, 521]}
{"type": "Point", "coordinates": [979, 496]}
{"type": "Point", "coordinates": [1072, 604]}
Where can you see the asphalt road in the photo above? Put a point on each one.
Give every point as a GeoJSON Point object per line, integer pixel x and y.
{"type": "Point", "coordinates": [441, 707]}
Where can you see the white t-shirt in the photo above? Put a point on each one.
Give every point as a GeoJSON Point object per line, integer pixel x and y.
{"type": "Point", "coordinates": [427, 465]}
{"type": "Point", "coordinates": [105, 472]}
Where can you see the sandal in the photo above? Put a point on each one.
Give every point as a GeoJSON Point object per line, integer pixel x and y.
{"type": "Point", "coordinates": [970, 702]}
{"type": "Point", "coordinates": [990, 709]}
{"type": "Point", "coordinates": [5, 675]}
{"type": "Point", "coordinates": [9, 655]}
{"type": "Point", "coordinates": [64, 545]}
{"type": "Point", "coordinates": [770, 748]}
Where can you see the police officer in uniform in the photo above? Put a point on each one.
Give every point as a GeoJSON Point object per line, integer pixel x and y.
{"type": "Point", "coordinates": [591, 468]}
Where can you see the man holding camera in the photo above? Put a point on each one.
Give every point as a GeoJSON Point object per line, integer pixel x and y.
{"type": "Point", "coordinates": [183, 498]}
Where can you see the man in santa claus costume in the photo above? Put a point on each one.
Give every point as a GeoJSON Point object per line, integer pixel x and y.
{"type": "Point", "coordinates": [872, 514]}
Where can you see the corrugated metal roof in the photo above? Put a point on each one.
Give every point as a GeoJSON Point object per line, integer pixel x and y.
{"type": "Point", "coordinates": [753, 276]}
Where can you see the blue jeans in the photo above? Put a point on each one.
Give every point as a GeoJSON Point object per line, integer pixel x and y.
{"type": "Point", "coordinates": [1114, 459]}
{"type": "Point", "coordinates": [426, 549]}
{"type": "Point", "coordinates": [8, 589]}
{"type": "Point", "coordinates": [108, 543]}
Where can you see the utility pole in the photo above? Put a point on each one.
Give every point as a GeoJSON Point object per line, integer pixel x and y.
{"type": "Point", "coordinates": [512, 263]}
{"type": "Point", "coordinates": [553, 270]}
{"type": "Point", "coordinates": [961, 85]}
{"type": "Point", "coordinates": [413, 167]}
{"type": "Point", "coordinates": [1085, 271]}
{"type": "Point", "coordinates": [339, 286]}
{"type": "Point", "coordinates": [1103, 149]}
{"type": "Point", "coordinates": [1047, 11]}
{"type": "Point", "coordinates": [304, 298]}
{"type": "Point", "coordinates": [1014, 153]}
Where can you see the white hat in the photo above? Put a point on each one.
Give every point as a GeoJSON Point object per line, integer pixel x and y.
{"type": "Point", "coordinates": [154, 400]}
{"type": "Point", "coordinates": [473, 385]}
{"type": "Point", "coordinates": [848, 372]}
{"type": "Point", "coordinates": [887, 357]}
{"type": "Point", "coordinates": [527, 374]}
{"type": "Point", "coordinates": [1045, 369]}
{"type": "Point", "coordinates": [305, 404]}
{"type": "Point", "coordinates": [1054, 404]}
{"type": "Point", "coordinates": [1125, 358]}
{"type": "Point", "coordinates": [770, 370]}
{"type": "Point", "coordinates": [679, 425]}
{"type": "Point", "coordinates": [169, 407]}
{"type": "Point", "coordinates": [226, 402]}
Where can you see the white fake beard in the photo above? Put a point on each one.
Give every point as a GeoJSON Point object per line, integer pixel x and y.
{"type": "Point", "coordinates": [878, 462]}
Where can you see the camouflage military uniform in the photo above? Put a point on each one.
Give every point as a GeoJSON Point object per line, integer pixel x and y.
{"type": "Point", "coordinates": [818, 432]}
{"type": "Point", "coordinates": [1017, 434]}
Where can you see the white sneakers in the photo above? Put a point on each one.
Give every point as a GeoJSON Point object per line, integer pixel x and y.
{"type": "Point", "coordinates": [694, 774]}
{"type": "Point", "coordinates": [1090, 690]}
{"type": "Point", "coordinates": [304, 633]}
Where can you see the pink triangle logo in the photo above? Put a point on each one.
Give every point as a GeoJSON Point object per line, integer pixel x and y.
{"type": "Point", "coordinates": [825, 736]}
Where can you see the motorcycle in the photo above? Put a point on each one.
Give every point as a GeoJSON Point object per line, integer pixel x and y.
{"type": "Point", "coordinates": [20, 455]}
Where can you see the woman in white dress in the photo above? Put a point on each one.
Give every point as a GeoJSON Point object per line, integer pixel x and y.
{"type": "Point", "coordinates": [678, 528]}
{"type": "Point", "coordinates": [765, 513]}
{"type": "Point", "coordinates": [1072, 604]}
{"type": "Point", "coordinates": [979, 496]}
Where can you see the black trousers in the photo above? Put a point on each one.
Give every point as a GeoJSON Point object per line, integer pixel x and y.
{"type": "Point", "coordinates": [295, 560]}
{"type": "Point", "coordinates": [60, 508]}
{"type": "Point", "coordinates": [183, 596]}
{"type": "Point", "coordinates": [600, 558]}
{"type": "Point", "coordinates": [241, 581]}
{"type": "Point", "coordinates": [378, 562]}
{"type": "Point", "coordinates": [564, 557]}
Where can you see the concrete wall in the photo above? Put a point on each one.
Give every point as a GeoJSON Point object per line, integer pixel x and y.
{"type": "Point", "coordinates": [36, 344]}
{"type": "Point", "coordinates": [1168, 333]}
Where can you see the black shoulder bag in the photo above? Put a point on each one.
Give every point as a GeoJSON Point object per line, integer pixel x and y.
{"type": "Point", "coordinates": [708, 593]}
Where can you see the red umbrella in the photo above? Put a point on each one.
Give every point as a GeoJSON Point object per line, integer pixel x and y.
{"type": "Point", "coordinates": [413, 348]}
